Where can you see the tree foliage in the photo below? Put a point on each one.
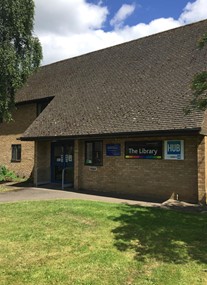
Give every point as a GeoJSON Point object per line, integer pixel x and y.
{"type": "Point", "coordinates": [202, 41]}
{"type": "Point", "coordinates": [20, 51]}
{"type": "Point", "coordinates": [199, 85]}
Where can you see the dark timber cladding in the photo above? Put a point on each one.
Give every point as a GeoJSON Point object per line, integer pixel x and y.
{"type": "Point", "coordinates": [139, 86]}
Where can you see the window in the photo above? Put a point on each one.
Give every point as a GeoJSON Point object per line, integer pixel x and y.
{"type": "Point", "coordinates": [94, 153]}
{"type": "Point", "coordinates": [16, 152]}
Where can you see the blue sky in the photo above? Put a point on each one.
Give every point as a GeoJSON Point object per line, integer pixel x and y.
{"type": "Point", "coordinates": [146, 10]}
{"type": "Point", "coordinates": [68, 28]}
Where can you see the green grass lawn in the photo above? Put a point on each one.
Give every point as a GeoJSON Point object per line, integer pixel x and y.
{"type": "Point", "coordinates": [82, 242]}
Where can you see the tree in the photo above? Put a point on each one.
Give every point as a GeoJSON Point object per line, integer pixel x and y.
{"type": "Point", "coordinates": [20, 51]}
{"type": "Point", "coordinates": [199, 85]}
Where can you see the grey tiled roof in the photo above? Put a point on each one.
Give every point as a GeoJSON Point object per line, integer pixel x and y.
{"type": "Point", "coordinates": [38, 87]}
{"type": "Point", "coordinates": [142, 85]}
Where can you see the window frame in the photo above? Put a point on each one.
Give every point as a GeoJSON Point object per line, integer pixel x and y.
{"type": "Point", "coordinates": [16, 154]}
{"type": "Point", "coordinates": [93, 163]}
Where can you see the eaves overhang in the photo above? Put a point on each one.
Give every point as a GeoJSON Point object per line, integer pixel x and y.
{"type": "Point", "coordinates": [158, 133]}
{"type": "Point", "coordinates": [38, 100]}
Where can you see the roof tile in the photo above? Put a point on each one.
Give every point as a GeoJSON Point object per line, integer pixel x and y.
{"type": "Point", "coordinates": [142, 85]}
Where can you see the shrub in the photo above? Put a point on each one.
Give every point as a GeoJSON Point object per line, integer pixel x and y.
{"type": "Point", "coordinates": [7, 175]}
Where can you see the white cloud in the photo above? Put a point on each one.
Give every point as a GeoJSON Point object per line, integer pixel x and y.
{"type": "Point", "coordinates": [59, 47]}
{"type": "Point", "coordinates": [142, 30]}
{"type": "Point", "coordinates": [193, 12]}
{"type": "Point", "coordinates": [68, 16]}
{"type": "Point", "coordinates": [124, 12]}
{"type": "Point", "coordinates": [68, 28]}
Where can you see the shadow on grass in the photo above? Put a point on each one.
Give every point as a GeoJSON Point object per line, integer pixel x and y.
{"type": "Point", "coordinates": [163, 235]}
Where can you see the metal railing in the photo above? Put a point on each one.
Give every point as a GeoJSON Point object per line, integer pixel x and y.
{"type": "Point", "coordinates": [63, 177]}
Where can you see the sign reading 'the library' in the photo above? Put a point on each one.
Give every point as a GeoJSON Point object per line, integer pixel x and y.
{"type": "Point", "coordinates": [143, 150]}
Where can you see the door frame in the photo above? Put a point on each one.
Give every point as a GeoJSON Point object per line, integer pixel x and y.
{"type": "Point", "coordinates": [52, 164]}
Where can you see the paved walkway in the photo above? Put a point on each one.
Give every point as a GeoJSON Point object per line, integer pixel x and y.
{"type": "Point", "coordinates": [33, 193]}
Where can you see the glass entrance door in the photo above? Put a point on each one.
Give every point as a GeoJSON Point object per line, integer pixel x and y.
{"type": "Point", "coordinates": [62, 157]}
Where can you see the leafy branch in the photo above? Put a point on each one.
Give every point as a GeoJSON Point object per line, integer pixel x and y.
{"type": "Point", "coordinates": [20, 51]}
{"type": "Point", "coordinates": [199, 86]}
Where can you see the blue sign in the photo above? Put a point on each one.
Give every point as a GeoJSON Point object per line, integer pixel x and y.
{"type": "Point", "coordinates": [113, 149]}
{"type": "Point", "coordinates": [174, 149]}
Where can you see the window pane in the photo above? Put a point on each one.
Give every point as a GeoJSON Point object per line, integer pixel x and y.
{"type": "Point", "coordinates": [16, 152]}
{"type": "Point", "coordinates": [19, 152]}
{"type": "Point", "coordinates": [89, 153]}
{"type": "Point", "coordinates": [97, 153]}
{"type": "Point", "coordinates": [93, 153]}
{"type": "Point", "coordinates": [13, 152]}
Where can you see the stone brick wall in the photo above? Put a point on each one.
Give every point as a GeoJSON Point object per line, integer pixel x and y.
{"type": "Point", "coordinates": [23, 116]}
{"type": "Point", "coordinates": [156, 179]}
{"type": "Point", "coordinates": [78, 160]}
{"type": "Point", "coordinates": [144, 178]}
{"type": "Point", "coordinates": [42, 172]}
{"type": "Point", "coordinates": [201, 153]}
